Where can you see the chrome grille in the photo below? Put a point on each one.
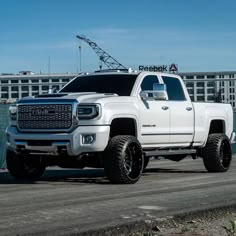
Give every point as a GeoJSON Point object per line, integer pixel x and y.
{"type": "Point", "coordinates": [52, 116]}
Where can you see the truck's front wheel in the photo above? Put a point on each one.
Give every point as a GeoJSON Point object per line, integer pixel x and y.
{"type": "Point", "coordinates": [24, 166]}
{"type": "Point", "coordinates": [217, 153]}
{"type": "Point", "coordinates": [123, 161]}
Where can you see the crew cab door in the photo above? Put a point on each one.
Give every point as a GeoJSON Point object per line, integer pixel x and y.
{"type": "Point", "coordinates": [154, 116]}
{"type": "Point", "coordinates": [181, 112]}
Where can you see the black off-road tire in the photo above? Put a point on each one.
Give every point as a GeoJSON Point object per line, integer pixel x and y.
{"type": "Point", "coordinates": [123, 160]}
{"type": "Point", "coordinates": [24, 166]}
{"type": "Point", "coordinates": [217, 154]}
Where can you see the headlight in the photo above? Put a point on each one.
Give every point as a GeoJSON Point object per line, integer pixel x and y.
{"type": "Point", "coordinates": [12, 112]}
{"type": "Point", "coordinates": [87, 111]}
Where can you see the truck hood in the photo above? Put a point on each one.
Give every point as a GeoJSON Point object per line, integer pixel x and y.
{"type": "Point", "coordinates": [85, 97]}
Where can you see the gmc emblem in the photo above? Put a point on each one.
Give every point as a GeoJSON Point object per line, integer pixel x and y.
{"type": "Point", "coordinates": [43, 112]}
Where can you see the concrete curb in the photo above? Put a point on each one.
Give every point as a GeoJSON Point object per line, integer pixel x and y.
{"type": "Point", "coordinates": [167, 222]}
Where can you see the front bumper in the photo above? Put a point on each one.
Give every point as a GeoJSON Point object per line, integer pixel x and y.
{"type": "Point", "coordinates": [54, 143]}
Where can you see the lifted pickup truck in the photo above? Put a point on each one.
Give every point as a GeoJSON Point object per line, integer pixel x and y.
{"type": "Point", "coordinates": [117, 121]}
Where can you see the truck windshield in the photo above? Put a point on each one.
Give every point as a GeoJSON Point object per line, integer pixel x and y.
{"type": "Point", "coordinates": [120, 84]}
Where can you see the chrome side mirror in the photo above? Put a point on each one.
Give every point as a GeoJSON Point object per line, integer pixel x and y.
{"type": "Point", "coordinates": [159, 91]}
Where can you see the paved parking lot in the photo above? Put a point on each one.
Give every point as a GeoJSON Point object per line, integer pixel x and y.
{"type": "Point", "coordinates": [68, 201]}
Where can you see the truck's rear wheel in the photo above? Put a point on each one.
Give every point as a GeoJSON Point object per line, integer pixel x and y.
{"type": "Point", "coordinates": [24, 166]}
{"type": "Point", "coordinates": [217, 153]}
{"type": "Point", "coordinates": [123, 161]}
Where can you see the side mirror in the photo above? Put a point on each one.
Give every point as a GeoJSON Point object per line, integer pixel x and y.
{"type": "Point", "coordinates": [159, 91]}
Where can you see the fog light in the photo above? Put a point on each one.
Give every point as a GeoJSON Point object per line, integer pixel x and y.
{"type": "Point", "coordinates": [88, 138]}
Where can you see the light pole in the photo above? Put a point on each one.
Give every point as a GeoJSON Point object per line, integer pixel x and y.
{"type": "Point", "coordinates": [80, 58]}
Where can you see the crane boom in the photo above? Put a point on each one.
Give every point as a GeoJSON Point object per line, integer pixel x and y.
{"type": "Point", "coordinates": [110, 62]}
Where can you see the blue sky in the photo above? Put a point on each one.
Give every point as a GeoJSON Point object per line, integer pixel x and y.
{"type": "Point", "coordinates": [198, 35]}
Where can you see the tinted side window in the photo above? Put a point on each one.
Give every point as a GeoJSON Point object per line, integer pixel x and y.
{"type": "Point", "coordinates": [174, 89]}
{"type": "Point", "coordinates": [148, 82]}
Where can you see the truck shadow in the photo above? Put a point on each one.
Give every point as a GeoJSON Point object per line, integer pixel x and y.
{"type": "Point", "coordinates": [86, 176]}
{"type": "Point", "coordinates": [61, 175]}
{"type": "Point", "coordinates": [166, 170]}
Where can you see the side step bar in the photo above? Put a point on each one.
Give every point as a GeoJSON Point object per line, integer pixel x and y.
{"type": "Point", "coordinates": [170, 152]}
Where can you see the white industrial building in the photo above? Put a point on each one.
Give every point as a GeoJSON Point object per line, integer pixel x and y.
{"type": "Point", "coordinates": [202, 86]}
{"type": "Point", "coordinates": [13, 87]}
{"type": "Point", "coordinates": [207, 86]}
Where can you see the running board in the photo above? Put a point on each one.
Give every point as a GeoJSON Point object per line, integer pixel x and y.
{"type": "Point", "coordinates": [170, 152]}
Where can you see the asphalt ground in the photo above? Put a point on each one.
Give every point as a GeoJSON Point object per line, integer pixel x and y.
{"type": "Point", "coordinates": [77, 202]}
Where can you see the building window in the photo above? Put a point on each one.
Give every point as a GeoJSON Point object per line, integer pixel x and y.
{"type": "Point", "coordinates": [211, 84]}
{"type": "Point", "coordinates": [200, 77]}
{"type": "Point", "coordinates": [189, 84]}
{"type": "Point", "coordinates": [35, 81]}
{"type": "Point", "coordinates": [200, 98]}
{"type": "Point", "coordinates": [35, 88]}
{"type": "Point", "coordinates": [4, 81]}
{"type": "Point", "coordinates": [200, 84]}
{"type": "Point", "coordinates": [210, 98]}
{"type": "Point", "coordinates": [65, 80]}
{"type": "Point", "coordinates": [25, 88]}
{"type": "Point", "coordinates": [45, 80]}
{"type": "Point", "coordinates": [221, 76]}
{"type": "Point", "coordinates": [25, 94]}
{"type": "Point", "coordinates": [15, 81]}
{"type": "Point", "coordinates": [4, 89]}
{"type": "Point", "coordinates": [45, 87]}
{"type": "Point", "coordinates": [211, 91]}
{"type": "Point", "coordinates": [211, 76]}
{"type": "Point", "coordinates": [14, 88]}
{"type": "Point", "coordinates": [55, 80]}
{"type": "Point", "coordinates": [24, 81]}
{"type": "Point", "coordinates": [189, 77]}
{"type": "Point", "coordinates": [200, 91]}
{"type": "Point", "coordinates": [4, 95]}
{"type": "Point", "coordinates": [15, 95]}
{"type": "Point", "coordinates": [190, 91]}
{"type": "Point", "coordinates": [35, 94]}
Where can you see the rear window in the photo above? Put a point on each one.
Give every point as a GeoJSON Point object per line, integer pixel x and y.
{"type": "Point", "coordinates": [174, 89]}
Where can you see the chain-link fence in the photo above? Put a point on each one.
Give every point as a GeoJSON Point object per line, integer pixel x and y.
{"type": "Point", "coordinates": [3, 125]}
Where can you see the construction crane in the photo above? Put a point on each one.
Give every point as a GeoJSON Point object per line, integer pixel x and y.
{"type": "Point", "coordinates": [110, 62]}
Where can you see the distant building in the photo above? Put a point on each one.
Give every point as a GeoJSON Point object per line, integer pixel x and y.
{"type": "Point", "coordinates": [202, 86]}
{"type": "Point", "coordinates": [211, 86]}
{"type": "Point", "coordinates": [13, 87]}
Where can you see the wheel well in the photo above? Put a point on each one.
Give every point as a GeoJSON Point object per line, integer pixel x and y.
{"type": "Point", "coordinates": [123, 126]}
{"type": "Point", "coordinates": [217, 126]}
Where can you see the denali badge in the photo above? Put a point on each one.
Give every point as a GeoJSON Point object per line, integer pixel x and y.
{"type": "Point", "coordinates": [42, 112]}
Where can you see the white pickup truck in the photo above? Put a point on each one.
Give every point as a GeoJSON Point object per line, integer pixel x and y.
{"type": "Point", "coordinates": [117, 120]}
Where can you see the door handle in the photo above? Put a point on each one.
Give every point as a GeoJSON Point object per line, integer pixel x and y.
{"type": "Point", "coordinates": [165, 108]}
{"type": "Point", "coordinates": [189, 108]}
